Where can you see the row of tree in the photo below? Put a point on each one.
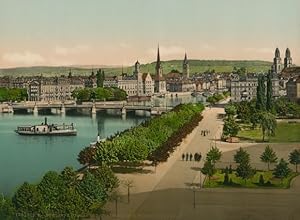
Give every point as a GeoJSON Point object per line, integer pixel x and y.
{"type": "Point", "coordinates": [244, 169]}
{"type": "Point", "coordinates": [153, 139]}
{"type": "Point", "coordinates": [217, 97]}
{"type": "Point", "coordinates": [12, 94]}
{"type": "Point", "coordinates": [63, 195]}
{"type": "Point", "coordinates": [101, 94]}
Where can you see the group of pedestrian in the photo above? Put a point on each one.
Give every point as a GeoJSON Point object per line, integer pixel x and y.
{"type": "Point", "coordinates": [189, 156]}
{"type": "Point", "coordinates": [205, 132]}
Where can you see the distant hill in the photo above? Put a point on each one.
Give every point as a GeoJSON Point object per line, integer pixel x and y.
{"type": "Point", "coordinates": [196, 66]}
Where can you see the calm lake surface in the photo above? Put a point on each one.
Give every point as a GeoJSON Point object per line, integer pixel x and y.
{"type": "Point", "coordinates": [27, 158]}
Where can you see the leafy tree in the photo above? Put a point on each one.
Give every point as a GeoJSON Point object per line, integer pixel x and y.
{"type": "Point", "coordinates": [7, 209]}
{"type": "Point", "coordinates": [208, 169]}
{"type": "Point", "coordinates": [213, 155]}
{"type": "Point", "coordinates": [231, 128]}
{"type": "Point", "coordinates": [107, 178]}
{"type": "Point", "coordinates": [282, 170]}
{"type": "Point", "coordinates": [27, 200]}
{"type": "Point", "coordinates": [52, 190]}
{"type": "Point", "coordinates": [268, 124]}
{"type": "Point", "coordinates": [241, 156]}
{"type": "Point", "coordinates": [100, 78]}
{"type": "Point", "coordinates": [92, 189]}
{"type": "Point", "coordinates": [244, 170]}
{"type": "Point", "coordinates": [260, 94]}
{"type": "Point", "coordinates": [269, 102]}
{"type": "Point", "coordinates": [230, 110]}
{"type": "Point", "coordinates": [86, 156]}
{"type": "Point", "coordinates": [69, 177]}
{"type": "Point", "coordinates": [294, 158]}
{"type": "Point", "coordinates": [268, 156]}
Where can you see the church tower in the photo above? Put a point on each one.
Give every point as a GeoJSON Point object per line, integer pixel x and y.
{"type": "Point", "coordinates": [288, 58]}
{"type": "Point", "coordinates": [185, 67]}
{"type": "Point", "coordinates": [276, 67]}
{"type": "Point", "coordinates": [158, 67]}
{"type": "Point", "coordinates": [159, 82]}
{"type": "Point", "coordinates": [136, 67]}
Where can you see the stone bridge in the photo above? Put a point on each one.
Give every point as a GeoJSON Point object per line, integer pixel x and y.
{"type": "Point", "coordinates": [93, 106]}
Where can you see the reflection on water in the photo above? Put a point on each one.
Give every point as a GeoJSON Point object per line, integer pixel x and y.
{"type": "Point", "coordinates": [27, 158]}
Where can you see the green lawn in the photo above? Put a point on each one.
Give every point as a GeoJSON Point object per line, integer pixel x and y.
{"type": "Point", "coordinates": [285, 132]}
{"type": "Point", "coordinates": [270, 181]}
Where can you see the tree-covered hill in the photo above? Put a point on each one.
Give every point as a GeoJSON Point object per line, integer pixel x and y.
{"type": "Point", "coordinates": [196, 66]}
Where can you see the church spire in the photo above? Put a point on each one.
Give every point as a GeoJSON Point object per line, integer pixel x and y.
{"type": "Point", "coordinates": [158, 67]}
{"type": "Point", "coordinates": [158, 59]}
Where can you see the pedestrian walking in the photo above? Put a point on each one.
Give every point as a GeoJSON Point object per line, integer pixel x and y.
{"type": "Point", "coordinates": [191, 156]}
{"type": "Point", "coordinates": [186, 156]}
{"type": "Point", "coordinates": [183, 155]}
{"type": "Point", "coordinates": [200, 156]}
{"type": "Point", "coordinates": [196, 157]}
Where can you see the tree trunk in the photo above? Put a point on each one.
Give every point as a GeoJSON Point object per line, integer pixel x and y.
{"type": "Point", "coordinates": [268, 166]}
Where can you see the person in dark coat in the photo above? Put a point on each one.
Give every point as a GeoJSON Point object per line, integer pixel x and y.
{"type": "Point", "coordinates": [183, 155]}
{"type": "Point", "coordinates": [186, 156]}
{"type": "Point", "coordinates": [191, 156]}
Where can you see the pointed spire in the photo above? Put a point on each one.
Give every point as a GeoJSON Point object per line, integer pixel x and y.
{"type": "Point", "coordinates": [158, 58]}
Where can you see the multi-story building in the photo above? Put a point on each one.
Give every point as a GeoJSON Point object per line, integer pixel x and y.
{"type": "Point", "coordinates": [53, 88]}
{"type": "Point", "coordinates": [293, 89]}
{"type": "Point", "coordinates": [244, 88]}
{"type": "Point", "coordinates": [139, 84]}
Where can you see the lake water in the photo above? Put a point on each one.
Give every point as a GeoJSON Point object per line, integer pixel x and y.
{"type": "Point", "coordinates": [27, 158]}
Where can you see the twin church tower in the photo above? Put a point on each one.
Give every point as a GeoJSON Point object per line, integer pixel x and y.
{"type": "Point", "coordinates": [277, 65]}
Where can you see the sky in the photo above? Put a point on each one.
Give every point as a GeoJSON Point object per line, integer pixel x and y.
{"type": "Point", "coordinates": [118, 32]}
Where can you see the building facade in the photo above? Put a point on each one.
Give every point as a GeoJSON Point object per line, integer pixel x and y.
{"type": "Point", "coordinates": [293, 89]}
{"type": "Point", "coordinates": [139, 84]}
{"type": "Point", "coordinates": [244, 88]}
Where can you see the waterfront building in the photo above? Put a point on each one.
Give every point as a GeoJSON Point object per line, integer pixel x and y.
{"type": "Point", "coordinates": [53, 88]}
{"type": "Point", "coordinates": [160, 85]}
{"type": "Point", "coordinates": [139, 84]}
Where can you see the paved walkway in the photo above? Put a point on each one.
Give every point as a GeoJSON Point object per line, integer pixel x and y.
{"type": "Point", "coordinates": [169, 194]}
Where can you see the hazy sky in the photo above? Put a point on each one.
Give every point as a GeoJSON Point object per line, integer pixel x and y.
{"type": "Point", "coordinates": [66, 32]}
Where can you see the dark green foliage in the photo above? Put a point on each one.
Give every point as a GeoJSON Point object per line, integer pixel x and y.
{"type": "Point", "coordinates": [230, 110]}
{"type": "Point", "coordinates": [269, 102]}
{"type": "Point", "coordinates": [261, 94]}
{"type": "Point", "coordinates": [244, 170]}
{"type": "Point", "coordinates": [7, 209]}
{"type": "Point", "coordinates": [285, 108]}
{"type": "Point", "coordinates": [27, 201]}
{"type": "Point", "coordinates": [231, 128]}
{"type": "Point", "coordinates": [158, 137]}
{"type": "Point", "coordinates": [208, 169]}
{"type": "Point", "coordinates": [12, 94]}
{"type": "Point", "coordinates": [230, 169]}
{"type": "Point", "coordinates": [294, 158]}
{"type": "Point", "coordinates": [86, 156]}
{"type": "Point", "coordinates": [213, 155]}
{"type": "Point", "coordinates": [101, 94]}
{"type": "Point", "coordinates": [282, 170]}
{"type": "Point", "coordinates": [267, 123]}
{"type": "Point", "coordinates": [100, 77]}
{"type": "Point", "coordinates": [268, 156]}
{"type": "Point", "coordinates": [215, 98]}
{"type": "Point", "coordinates": [261, 180]}
{"type": "Point", "coordinates": [226, 179]}
{"type": "Point", "coordinates": [241, 156]}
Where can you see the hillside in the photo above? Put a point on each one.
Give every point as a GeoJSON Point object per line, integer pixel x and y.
{"type": "Point", "coordinates": [196, 66]}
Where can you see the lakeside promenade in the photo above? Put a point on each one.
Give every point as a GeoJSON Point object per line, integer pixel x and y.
{"type": "Point", "coordinates": [172, 191]}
